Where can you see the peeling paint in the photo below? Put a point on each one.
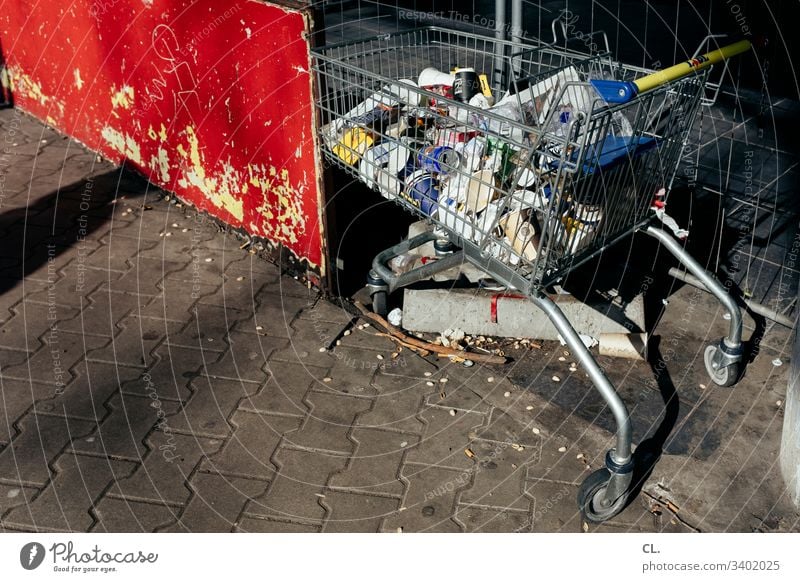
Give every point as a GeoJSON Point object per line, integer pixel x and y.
{"type": "Point", "coordinates": [282, 205]}
{"type": "Point", "coordinates": [160, 164]}
{"type": "Point", "coordinates": [123, 143]}
{"type": "Point", "coordinates": [122, 98]}
{"type": "Point", "coordinates": [78, 80]}
{"type": "Point", "coordinates": [21, 83]}
{"type": "Point", "coordinates": [218, 189]}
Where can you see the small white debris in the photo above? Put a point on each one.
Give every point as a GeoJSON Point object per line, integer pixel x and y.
{"type": "Point", "coordinates": [90, 440]}
{"type": "Point", "coordinates": [778, 402]}
{"type": "Point", "coordinates": [535, 430]}
{"type": "Point", "coordinates": [395, 316]}
{"type": "Point", "coordinates": [468, 363]}
{"type": "Point", "coordinates": [507, 394]}
{"type": "Point", "coordinates": [726, 316]}
{"type": "Point", "coordinates": [490, 379]}
{"type": "Point", "coordinates": [427, 374]}
{"type": "Point", "coordinates": [529, 407]}
{"type": "Point", "coordinates": [562, 359]}
{"type": "Point", "coordinates": [12, 493]}
{"type": "Point", "coordinates": [259, 327]}
{"type": "Point", "coordinates": [209, 259]}
{"type": "Point", "coordinates": [168, 234]}
{"type": "Point", "coordinates": [517, 447]}
{"type": "Point", "coordinates": [429, 383]}
{"type": "Point", "coordinates": [777, 362]}
{"type": "Point", "coordinates": [323, 350]}
{"type": "Point", "coordinates": [380, 357]}
{"type": "Point", "coordinates": [579, 456]}
{"type": "Point", "coordinates": [702, 386]}
{"type": "Point", "coordinates": [613, 293]}
{"type": "Point", "coordinates": [443, 380]}
{"type": "Point", "coordinates": [404, 444]}
{"type": "Point", "coordinates": [240, 278]}
{"type": "Point", "coordinates": [338, 342]}
{"type": "Point", "coordinates": [174, 225]}
{"type": "Point", "coordinates": [664, 302]}
{"type": "Point", "coordinates": [366, 325]}
{"type": "Point", "coordinates": [184, 230]}
{"type": "Point", "coordinates": [326, 379]}
{"type": "Point", "coordinates": [347, 332]}
{"type": "Point", "coordinates": [452, 412]}
{"type": "Point", "coordinates": [399, 530]}
{"type": "Point", "coordinates": [562, 449]}
{"type": "Point", "coordinates": [556, 379]}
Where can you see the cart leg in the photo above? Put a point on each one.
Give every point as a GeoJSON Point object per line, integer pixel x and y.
{"type": "Point", "coordinates": [605, 492]}
{"type": "Point", "coordinates": [723, 359]}
{"type": "Point", "coordinates": [382, 280]}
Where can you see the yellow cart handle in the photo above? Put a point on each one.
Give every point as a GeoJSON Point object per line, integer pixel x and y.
{"type": "Point", "coordinates": [624, 91]}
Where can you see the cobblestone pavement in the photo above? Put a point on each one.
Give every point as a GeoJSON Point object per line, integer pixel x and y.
{"type": "Point", "coordinates": [156, 377]}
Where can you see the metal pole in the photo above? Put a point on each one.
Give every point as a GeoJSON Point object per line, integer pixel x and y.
{"type": "Point", "coordinates": [516, 28]}
{"type": "Point", "coordinates": [757, 308]}
{"type": "Point", "coordinates": [500, 34]}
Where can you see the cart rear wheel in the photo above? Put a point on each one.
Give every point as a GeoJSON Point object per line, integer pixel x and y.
{"type": "Point", "coordinates": [592, 492]}
{"type": "Point", "coordinates": [725, 376]}
{"type": "Point", "coordinates": [379, 300]}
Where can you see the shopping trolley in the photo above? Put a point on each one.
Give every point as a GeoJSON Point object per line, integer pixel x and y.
{"type": "Point", "coordinates": [572, 157]}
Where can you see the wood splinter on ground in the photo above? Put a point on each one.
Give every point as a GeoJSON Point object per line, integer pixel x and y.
{"type": "Point", "coordinates": [421, 346]}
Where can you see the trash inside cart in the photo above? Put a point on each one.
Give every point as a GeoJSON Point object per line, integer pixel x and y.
{"type": "Point", "coordinates": [527, 171]}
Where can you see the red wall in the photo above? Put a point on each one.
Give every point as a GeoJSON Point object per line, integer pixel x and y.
{"type": "Point", "coordinates": [211, 100]}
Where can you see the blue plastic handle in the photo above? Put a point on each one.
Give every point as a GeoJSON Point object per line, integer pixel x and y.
{"type": "Point", "coordinates": [615, 91]}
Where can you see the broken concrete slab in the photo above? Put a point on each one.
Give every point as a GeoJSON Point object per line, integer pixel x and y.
{"type": "Point", "coordinates": [484, 312]}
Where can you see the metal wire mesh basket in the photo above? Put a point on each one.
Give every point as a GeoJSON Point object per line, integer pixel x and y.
{"type": "Point", "coordinates": [508, 149]}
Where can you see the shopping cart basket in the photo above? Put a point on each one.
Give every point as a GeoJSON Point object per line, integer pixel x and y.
{"type": "Point", "coordinates": [572, 157]}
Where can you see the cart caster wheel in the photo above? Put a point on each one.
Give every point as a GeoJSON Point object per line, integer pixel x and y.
{"type": "Point", "coordinates": [590, 495]}
{"type": "Point", "coordinates": [726, 376]}
{"type": "Point", "coordinates": [379, 299]}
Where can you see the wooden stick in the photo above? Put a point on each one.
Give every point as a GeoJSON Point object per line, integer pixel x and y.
{"type": "Point", "coordinates": [419, 344]}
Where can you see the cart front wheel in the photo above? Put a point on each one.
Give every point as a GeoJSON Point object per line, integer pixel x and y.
{"type": "Point", "coordinates": [379, 300]}
{"type": "Point", "coordinates": [721, 376]}
{"type": "Point", "coordinates": [592, 494]}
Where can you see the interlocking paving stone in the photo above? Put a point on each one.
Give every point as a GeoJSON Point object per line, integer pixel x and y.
{"type": "Point", "coordinates": [12, 291]}
{"type": "Point", "coordinates": [328, 423]}
{"type": "Point", "coordinates": [168, 378]}
{"type": "Point", "coordinates": [397, 404]}
{"type": "Point", "coordinates": [125, 516]}
{"type": "Point", "coordinates": [13, 496]}
{"type": "Point", "coordinates": [143, 275]}
{"type": "Point", "coordinates": [117, 254]}
{"type": "Point", "coordinates": [357, 513]}
{"type": "Point", "coordinates": [212, 401]}
{"type": "Point", "coordinates": [86, 395]}
{"type": "Point", "coordinates": [249, 451]}
{"type": "Point", "coordinates": [259, 525]}
{"type": "Point", "coordinates": [296, 491]}
{"type": "Point", "coordinates": [554, 508]}
{"type": "Point", "coordinates": [285, 389]}
{"type": "Point", "coordinates": [304, 347]}
{"type": "Point", "coordinates": [17, 396]}
{"type": "Point", "coordinates": [177, 300]}
{"type": "Point", "coordinates": [30, 322]}
{"type": "Point", "coordinates": [375, 464]}
{"type": "Point", "coordinates": [216, 503]}
{"type": "Point", "coordinates": [122, 433]}
{"type": "Point", "coordinates": [476, 519]}
{"type": "Point", "coordinates": [246, 359]}
{"type": "Point", "coordinates": [133, 345]}
{"type": "Point", "coordinates": [102, 311]}
{"type": "Point", "coordinates": [446, 437]}
{"type": "Point", "coordinates": [26, 459]}
{"type": "Point", "coordinates": [429, 502]}
{"type": "Point", "coordinates": [65, 504]}
{"type": "Point", "coordinates": [52, 362]}
{"type": "Point", "coordinates": [208, 327]}
{"type": "Point", "coordinates": [498, 476]}
{"type": "Point", "coordinates": [74, 286]}
{"type": "Point", "coordinates": [162, 478]}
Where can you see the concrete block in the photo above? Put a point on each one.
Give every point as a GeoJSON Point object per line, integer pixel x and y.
{"type": "Point", "coordinates": [434, 310]}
